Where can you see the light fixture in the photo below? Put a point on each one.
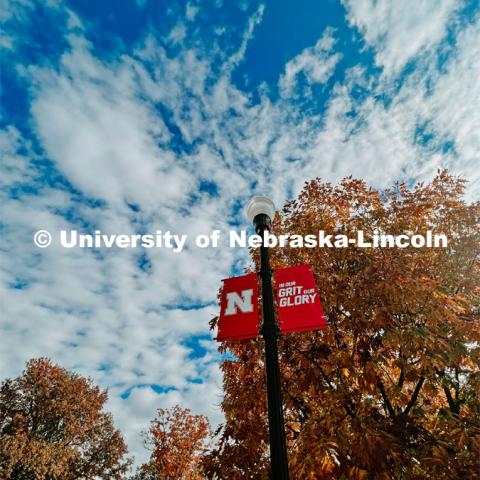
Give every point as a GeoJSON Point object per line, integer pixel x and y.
{"type": "Point", "coordinates": [260, 206]}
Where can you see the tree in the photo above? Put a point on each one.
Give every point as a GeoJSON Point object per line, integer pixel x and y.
{"type": "Point", "coordinates": [52, 426]}
{"type": "Point", "coordinates": [147, 471]}
{"type": "Point", "coordinates": [390, 389]}
{"type": "Point", "coordinates": [178, 440]}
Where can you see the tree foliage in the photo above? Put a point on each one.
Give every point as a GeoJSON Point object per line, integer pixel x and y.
{"type": "Point", "coordinates": [390, 389]}
{"type": "Point", "coordinates": [147, 471]}
{"type": "Point", "coordinates": [179, 440]}
{"type": "Point", "coordinates": [52, 427]}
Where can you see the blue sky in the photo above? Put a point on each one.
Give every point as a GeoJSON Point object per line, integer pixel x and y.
{"type": "Point", "coordinates": [133, 116]}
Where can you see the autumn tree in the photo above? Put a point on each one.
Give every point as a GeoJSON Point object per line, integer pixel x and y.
{"type": "Point", "coordinates": [52, 426]}
{"type": "Point", "coordinates": [391, 389]}
{"type": "Point", "coordinates": [178, 440]}
{"type": "Point", "coordinates": [147, 471]}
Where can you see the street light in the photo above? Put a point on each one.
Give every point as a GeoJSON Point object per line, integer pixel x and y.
{"type": "Point", "coordinates": [260, 206]}
{"type": "Point", "coordinates": [261, 212]}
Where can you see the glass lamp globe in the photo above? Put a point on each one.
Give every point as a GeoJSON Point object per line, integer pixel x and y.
{"type": "Point", "coordinates": [260, 205]}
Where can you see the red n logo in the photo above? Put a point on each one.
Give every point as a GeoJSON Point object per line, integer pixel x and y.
{"type": "Point", "coordinates": [239, 308]}
{"type": "Point", "coordinates": [242, 302]}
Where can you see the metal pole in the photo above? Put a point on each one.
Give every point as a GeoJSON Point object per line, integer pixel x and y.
{"type": "Point", "coordinates": [276, 423]}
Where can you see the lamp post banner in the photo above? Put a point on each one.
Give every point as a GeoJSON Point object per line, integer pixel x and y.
{"type": "Point", "coordinates": [299, 307]}
{"type": "Point", "coordinates": [238, 308]}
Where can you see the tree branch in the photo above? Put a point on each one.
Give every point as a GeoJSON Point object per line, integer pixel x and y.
{"type": "Point", "coordinates": [295, 433]}
{"type": "Point", "coordinates": [304, 409]}
{"type": "Point", "coordinates": [401, 378]}
{"type": "Point", "coordinates": [454, 407]}
{"type": "Point", "coordinates": [412, 401]}
{"type": "Point", "coordinates": [386, 401]}
{"type": "Point", "coordinates": [349, 406]}
{"type": "Point", "coordinates": [452, 404]}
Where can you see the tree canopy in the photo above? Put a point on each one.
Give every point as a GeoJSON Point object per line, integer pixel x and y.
{"type": "Point", "coordinates": [390, 389]}
{"type": "Point", "coordinates": [52, 426]}
{"type": "Point", "coordinates": [179, 440]}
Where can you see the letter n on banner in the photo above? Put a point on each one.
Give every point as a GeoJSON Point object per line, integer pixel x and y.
{"type": "Point", "coordinates": [299, 308]}
{"type": "Point", "coordinates": [238, 308]}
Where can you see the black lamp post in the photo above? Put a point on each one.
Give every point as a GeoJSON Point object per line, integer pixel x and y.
{"type": "Point", "coordinates": [261, 212]}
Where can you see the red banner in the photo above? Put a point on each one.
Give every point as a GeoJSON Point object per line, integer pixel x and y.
{"type": "Point", "coordinates": [299, 308]}
{"type": "Point", "coordinates": [238, 308]}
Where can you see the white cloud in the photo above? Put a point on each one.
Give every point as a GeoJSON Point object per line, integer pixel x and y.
{"type": "Point", "coordinates": [452, 108]}
{"type": "Point", "coordinates": [191, 11]}
{"type": "Point", "coordinates": [178, 33]}
{"type": "Point", "coordinates": [401, 30]}
{"type": "Point", "coordinates": [253, 21]}
{"type": "Point", "coordinates": [15, 168]}
{"type": "Point", "coordinates": [15, 16]}
{"type": "Point", "coordinates": [316, 63]}
{"type": "Point", "coordinates": [16, 13]}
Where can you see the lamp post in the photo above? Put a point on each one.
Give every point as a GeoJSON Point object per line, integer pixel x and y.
{"type": "Point", "coordinates": [261, 211]}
